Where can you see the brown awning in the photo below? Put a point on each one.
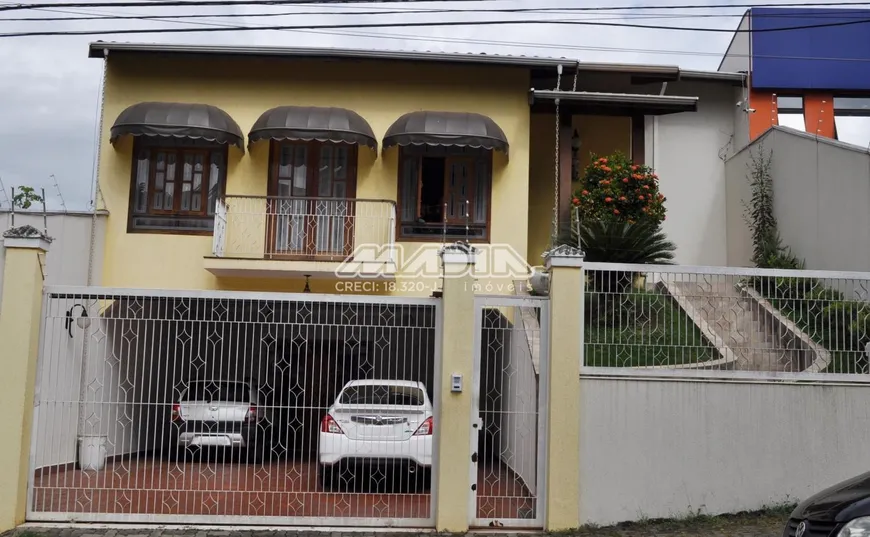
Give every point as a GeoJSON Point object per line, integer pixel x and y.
{"type": "Point", "coordinates": [313, 123]}
{"type": "Point", "coordinates": [446, 129]}
{"type": "Point", "coordinates": [178, 120]}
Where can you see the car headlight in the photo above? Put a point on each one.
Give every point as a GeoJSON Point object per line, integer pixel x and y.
{"type": "Point", "coordinates": [859, 527]}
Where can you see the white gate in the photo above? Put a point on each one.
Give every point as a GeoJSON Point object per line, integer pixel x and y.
{"type": "Point", "coordinates": [234, 408]}
{"type": "Point", "coordinates": [508, 412]}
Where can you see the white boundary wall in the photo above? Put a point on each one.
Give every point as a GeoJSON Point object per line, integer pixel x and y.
{"type": "Point", "coordinates": [656, 446]}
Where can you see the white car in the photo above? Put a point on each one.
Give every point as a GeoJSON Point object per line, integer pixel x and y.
{"type": "Point", "coordinates": [374, 423]}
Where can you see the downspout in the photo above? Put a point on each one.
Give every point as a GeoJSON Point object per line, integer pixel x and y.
{"type": "Point", "coordinates": [90, 277]}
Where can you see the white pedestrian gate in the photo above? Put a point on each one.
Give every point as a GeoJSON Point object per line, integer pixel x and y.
{"type": "Point", "coordinates": [508, 411]}
{"type": "Point", "coordinates": [212, 407]}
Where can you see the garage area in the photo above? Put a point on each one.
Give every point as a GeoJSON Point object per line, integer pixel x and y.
{"type": "Point", "coordinates": [206, 407]}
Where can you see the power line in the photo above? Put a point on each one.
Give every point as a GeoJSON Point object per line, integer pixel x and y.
{"type": "Point", "coordinates": [632, 16]}
{"type": "Point", "coordinates": [182, 3]}
{"type": "Point", "coordinates": [418, 24]}
{"type": "Point", "coordinates": [524, 45]}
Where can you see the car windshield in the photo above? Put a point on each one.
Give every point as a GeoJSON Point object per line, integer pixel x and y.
{"type": "Point", "coordinates": [229, 392]}
{"type": "Point", "coordinates": [382, 395]}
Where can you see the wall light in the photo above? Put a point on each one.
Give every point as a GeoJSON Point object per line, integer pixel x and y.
{"type": "Point", "coordinates": [83, 321]}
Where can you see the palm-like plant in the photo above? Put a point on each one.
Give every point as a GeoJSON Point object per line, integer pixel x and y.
{"type": "Point", "coordinates": [639, 243]}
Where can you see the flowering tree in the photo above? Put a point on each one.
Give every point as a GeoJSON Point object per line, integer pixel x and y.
{"type": "Point", "coordinates": [614, 189]}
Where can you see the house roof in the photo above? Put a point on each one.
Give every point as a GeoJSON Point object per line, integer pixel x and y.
{"type": "Point", "coordinates": [658, 72]}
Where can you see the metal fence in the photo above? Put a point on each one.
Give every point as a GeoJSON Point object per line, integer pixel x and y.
{"type": "Point", "coordinates": [738, 319]}
{"type": "Point", "coordinates": [220, 407]}
{"type": "Point", "coordinates": [509, 409]}
{"type": "Point", "coordinates": [321, 229]}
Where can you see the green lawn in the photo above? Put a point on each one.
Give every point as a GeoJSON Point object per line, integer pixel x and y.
{"type": "Point", "coordinates": [641, 328]}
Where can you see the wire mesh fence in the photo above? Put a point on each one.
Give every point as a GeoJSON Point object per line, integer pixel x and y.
{"type": "Point", "coordinates": [198, 407]}
{"type": "Point", "coordinates": [672, 317]}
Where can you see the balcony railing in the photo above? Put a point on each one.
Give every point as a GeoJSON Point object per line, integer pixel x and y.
{"type": "Point", "coordinates": [304, 228]}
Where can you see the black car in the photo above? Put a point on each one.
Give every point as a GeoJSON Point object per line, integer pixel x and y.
{"type": "Point", "coordinates": [839, 511]}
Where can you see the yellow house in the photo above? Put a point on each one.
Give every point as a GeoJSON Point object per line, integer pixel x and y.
{"type": "Point", "coordinates": [281, 169]}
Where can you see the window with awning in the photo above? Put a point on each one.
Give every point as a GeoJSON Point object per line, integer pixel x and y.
{"type": "Point", "coordinates": [445, 173]}
{"type": "Point", "coordinates": [179, 163]}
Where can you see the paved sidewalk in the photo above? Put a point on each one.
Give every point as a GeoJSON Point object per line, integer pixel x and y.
{"type": "Point", "coordinates": [750, 525]}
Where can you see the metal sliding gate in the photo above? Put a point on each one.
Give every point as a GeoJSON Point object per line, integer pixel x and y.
{"type": "Point", "coordinates": [508, 411]}
{"type": "Point", "coordinates": [234, 408]}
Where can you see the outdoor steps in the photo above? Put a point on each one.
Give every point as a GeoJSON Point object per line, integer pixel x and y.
{"type": "Point", "coordinates": [739, 322]}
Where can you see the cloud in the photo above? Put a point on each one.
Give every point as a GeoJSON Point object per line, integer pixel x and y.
{"type": "Point", "coordinates": [50, 87]}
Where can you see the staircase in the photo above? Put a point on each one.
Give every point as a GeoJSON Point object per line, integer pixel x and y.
{"type": "Point", "coordinates": [739, 323]}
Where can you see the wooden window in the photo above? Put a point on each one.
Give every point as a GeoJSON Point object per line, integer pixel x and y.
{"type": "Point", "coordinates": [312, 186]}
{"type": "Point", "coordinates": [175, 187]}
{"type": "Point", "coordinates": [444, 192]}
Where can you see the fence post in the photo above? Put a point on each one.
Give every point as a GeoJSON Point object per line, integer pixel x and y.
{"type": "Point", "coordinates": [565, 265]}
{"type": "Point", "coordinates": [453, 428]}
{"type": "Point", "coordinates": [20, 316]}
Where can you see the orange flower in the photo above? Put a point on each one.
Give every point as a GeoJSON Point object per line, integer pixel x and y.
{"type": "Point", "coordinates": [646, 187]}
{"type": "Point", "coordinates": [585, 192]}
{"type": "Point", "coordinates": [654, 176]}
{"type": "Point", "coordinates": [602, 160]}
{"type": "Point", "coordinates": [640, 197]}
{"type": "Point", "coordinates": [608, 199]}
{"type": "Point", "coordinates": [576, 201]}
{"type": "Point", "coordinates": [615, 211]}
{"type": "Point", "coordinates": [621, 198]}
{"type": "Point", "coordinates": [606, 169]}
{"type": "Point", "coordinates": [633, 168]}
{"type": "Point", "coordinates": [625, 180]}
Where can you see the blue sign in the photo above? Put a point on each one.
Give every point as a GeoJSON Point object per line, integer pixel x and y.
{"type": "Point", "coordinates": [829, 58]}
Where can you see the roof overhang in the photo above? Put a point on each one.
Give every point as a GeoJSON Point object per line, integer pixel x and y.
{"type": "Point", "coordinates": [611, 104]}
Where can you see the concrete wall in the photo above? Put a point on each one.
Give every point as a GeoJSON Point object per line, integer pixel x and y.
{"type": "Point", "coordinates": [67, 258]}
{"type": "Point", "coordinates": [688, 152]}
{"type": "Point", "coordinates": [653, 448]}
{"type": "Point", "coordinates": [737, 57]}
{"type": "Point", "coordinates": [245, 88]}
{"type": "Point", "coordinates": [821, 200]}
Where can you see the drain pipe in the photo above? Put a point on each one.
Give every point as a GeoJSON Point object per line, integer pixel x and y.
{"type": "Point", "coordinates": [90, 275]}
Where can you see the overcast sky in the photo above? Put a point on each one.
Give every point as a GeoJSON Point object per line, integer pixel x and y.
{"type": "Point", "coordinates": [49, 88]}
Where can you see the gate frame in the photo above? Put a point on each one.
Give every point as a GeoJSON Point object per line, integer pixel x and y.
{"type": "Point", "coordinates": [64, 291]}
{"type": "Point", "coordinates": [482, 302]}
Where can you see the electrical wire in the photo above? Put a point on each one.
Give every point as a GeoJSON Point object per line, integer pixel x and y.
{"type": "Point", "coordinates": [388, 11]}
{"type": "Point", "coordinates": [182, 3]}
{"type": "Point", "coordinates": [419, 24]}
{"type": "Point", "coordinates": [644, 16]}
{"type": "Point", "coordinates": [519, 44]}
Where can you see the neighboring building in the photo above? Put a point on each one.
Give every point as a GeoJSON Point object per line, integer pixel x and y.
{"type": "Point", "coordinates": [813, 78]}
{"type": "Point", "coordinates": [222, 142]}
{"type": "Point", "coordinates": [67, 259]}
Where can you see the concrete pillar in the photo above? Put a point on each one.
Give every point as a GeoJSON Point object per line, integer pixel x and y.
{"type": "Point", "coordinates": [565, 264]}
{"type": "Point", "coordinates": [20, 319]}
{"type": "Point", "coordinates": [453, 428]}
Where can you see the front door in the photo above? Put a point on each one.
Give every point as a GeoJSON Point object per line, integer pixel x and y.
{"type": "Point", "coordinates": [311, 201]}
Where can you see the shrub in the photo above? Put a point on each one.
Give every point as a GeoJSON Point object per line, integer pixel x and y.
{"type": "Point", "coordinates": [614, 189]}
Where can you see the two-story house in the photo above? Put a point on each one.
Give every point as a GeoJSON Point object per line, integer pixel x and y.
{"type": "Point", "coordinates": [292, 168]}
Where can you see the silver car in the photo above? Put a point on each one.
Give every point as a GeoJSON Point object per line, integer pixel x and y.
{"type": "Point", "coordinates": [220, 414]}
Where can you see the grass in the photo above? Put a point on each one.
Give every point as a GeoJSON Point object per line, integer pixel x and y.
{"type": "Point", "coordinates": [641, 329]}
{"type": "Point", "coordinates": [825, 317]}
{"type": "Point", "coordinates": [769, 518]}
